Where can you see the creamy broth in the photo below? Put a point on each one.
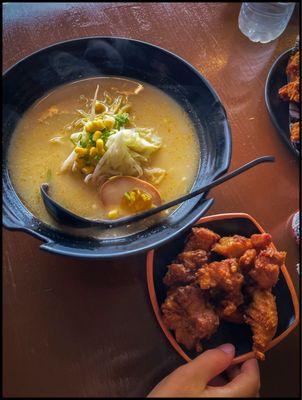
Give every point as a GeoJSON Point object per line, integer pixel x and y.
{"type": "Point", "coordinates": [33, 159]}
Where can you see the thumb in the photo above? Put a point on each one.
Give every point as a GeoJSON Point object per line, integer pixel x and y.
{"type": "Point", "coordinates": [210, 363]}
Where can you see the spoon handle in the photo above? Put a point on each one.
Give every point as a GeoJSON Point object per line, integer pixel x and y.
{"type": "Point", "coordinates": [188, 196]}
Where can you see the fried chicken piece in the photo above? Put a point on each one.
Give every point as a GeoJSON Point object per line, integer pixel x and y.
{"type": "Point", "coordinates": [232, 246]}
{"type": "Point", "coordinates": [246, 261]}
{"type": "Point", "coordinates": [266, 269]}
{"type": "Point", "coordinates": [201, 239]}
{"type": "Point", "coordinates": [223, 277]}
{"type": "Point", "coordinates": [183, 271]}
{"type": "Point", "coordinates": [261, 315]}
{"type": "Point", "coordinates": [178, 274]}
{"type": "Point", "coordinates": [192, 318]}
{"type": "Point", "coordinates": [291, 91]}
{"type": "Point", "coordinates": [295, 132]}
{"type": "Point", "coordinates": [293, 66]}
{"type": "Point", "coordinates": [237, 317]}
{"type": "Point", "coordinates": [194, 258]}
{"type": "Point", "coordinates": [261, 240]}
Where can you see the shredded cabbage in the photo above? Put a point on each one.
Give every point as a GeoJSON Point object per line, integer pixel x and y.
{"type": "Point", "coordinates": [127, 151]}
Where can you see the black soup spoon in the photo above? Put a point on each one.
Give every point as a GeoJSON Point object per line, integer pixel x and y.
{"type": "Point", "coordinates": [66, 217]}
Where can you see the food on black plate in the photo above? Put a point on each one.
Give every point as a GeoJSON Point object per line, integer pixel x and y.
{"type": "Point", "coordinates": [223, 278]}
{"type": "Point", "coordinates": [261, 315]}
{"type": "Point", "coordinates": [190, 315]}
{"type": "Point", "coordinates": [291, 93]}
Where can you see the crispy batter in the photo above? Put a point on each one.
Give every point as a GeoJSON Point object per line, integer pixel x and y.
{"type": "Point", "coordinates": [291, 91]}
{"type": "Point", "coordinates": [178, 274]}
{"type": "Point", "coordinates": [191, 317]}
{"type": "Point", "coordinates": [237, 317]}
{"type": "Point", "coordinates": [223, 276]}
{"type": "Point", "coordinates": [183, 271]}
{"type": "Point", "coordinates": [293, 67]}
{"type": "Point", "coordinates": [295, 132]}
{"type": "Point", "coordinates": [201, 239]}
{"type": "Point", "coordinates": [236, 289]}
{"type": "Point", "coordinates": [266, 269]}
{"type": "Point", "coordinates": [261, 240]}
{"type": "Point", "coordinates": [194, 258]}
{"type": "Point", "coordinates": [246, 261]}
{"type": "Point", "coordinates": [232, 246]}
{"type": "Point", "coordinates": [262, 316]}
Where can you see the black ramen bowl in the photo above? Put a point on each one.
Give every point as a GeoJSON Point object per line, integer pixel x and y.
{"type": "Point", "coordinates": [278, 109]}
{"type": "Point", "coordinates": [239, 335]}
{"type": "Point", "coordinates": [45, 70]}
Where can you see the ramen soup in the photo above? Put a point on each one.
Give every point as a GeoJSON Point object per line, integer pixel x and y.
{"type": "Point", "coordinates": [107, 147]}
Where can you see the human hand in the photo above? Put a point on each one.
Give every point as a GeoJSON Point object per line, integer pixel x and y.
{"type": "Point", "coordinates": [201, 377]}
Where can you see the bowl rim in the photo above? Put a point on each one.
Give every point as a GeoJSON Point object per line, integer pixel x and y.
{"type": "Point", "coordinates": [51, 245]}
{"type": "Point", "coordinates": [167, 332]}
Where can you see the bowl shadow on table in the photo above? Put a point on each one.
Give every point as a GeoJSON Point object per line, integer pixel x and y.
{"type": "Point", "coordinates": [239, 335]}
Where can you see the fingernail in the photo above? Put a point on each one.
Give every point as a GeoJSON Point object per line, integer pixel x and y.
{"type": "Point", "coordinates": [227, 348]}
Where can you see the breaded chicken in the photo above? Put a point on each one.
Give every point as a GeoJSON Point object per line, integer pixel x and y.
{"type": "Point", "coordinates": [236, 289]}
{"type": "Point", "coordinates": [293, 66]}
{"type": "Point", "coordinates": [266, 269]}
{"type": "Point", "coordinates": [247, 260]}
{"type": "Point", "coordinates": [201, 239]}
{"type": "Point", "coordinates": [190, 316]}
{"type": "Point", "coordinates": [237, 317]}
{"type": "Point", "coordinates": [232, 246]}
{"type": "Point", "coordinates": [262, 316]}
{"type": "Point", "coordinates": [183, 271]}
{"type": "Point", "coordinates": [224, 280]}
{"type": "Point", "coordinates": [194, 258]}
{"type": "Point", "coordinates": [261, 240]}
{"type": "Point", "coordinates": [178, 274]}
{"type": "Point", "coordinates": [291, 91]}
{"type": "Point", "coordinates": [295, 132]}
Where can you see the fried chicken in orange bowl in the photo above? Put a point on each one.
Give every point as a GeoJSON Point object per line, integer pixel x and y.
{"type": "Point", "coordinates": [223, 281]}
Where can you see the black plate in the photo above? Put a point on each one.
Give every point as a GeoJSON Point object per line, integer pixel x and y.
{"type": "Point", "coordinates": [239, 335]}
{"type": "Point", "coordinates": [277, 108]}
{"type": "Point", "coordinates": [34, 76]}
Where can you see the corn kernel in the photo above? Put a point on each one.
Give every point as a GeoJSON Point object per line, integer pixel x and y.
{"type": "Point", "coordinates": [90, 127]}
{"type": "Point", "coordinates": [113, 214]}
{"type": "Point", "coordinates": [99, 124]}
{"type": "Point", "coordinates": [109, 121]}
{"type": "Point", "coordinates": [87, 170]}
{"type": "Point", "coordinates": [93, 151]}
{"type": "Point", "coordinates": [96, 135]}
{"type": "Point", "coordinates": [100, 146]}
{"type": "Point", "coordinates": [80, 151]}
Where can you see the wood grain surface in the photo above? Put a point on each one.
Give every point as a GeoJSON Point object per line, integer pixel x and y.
{"type": "Point", "coordinates": [86, 328]}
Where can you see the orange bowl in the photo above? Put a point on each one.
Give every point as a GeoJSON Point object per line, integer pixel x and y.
{"type": "Point", "coordinates": [239, 335]}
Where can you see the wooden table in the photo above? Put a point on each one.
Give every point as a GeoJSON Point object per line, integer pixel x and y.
{"type": "Point", "coordinates": [86, 328]}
